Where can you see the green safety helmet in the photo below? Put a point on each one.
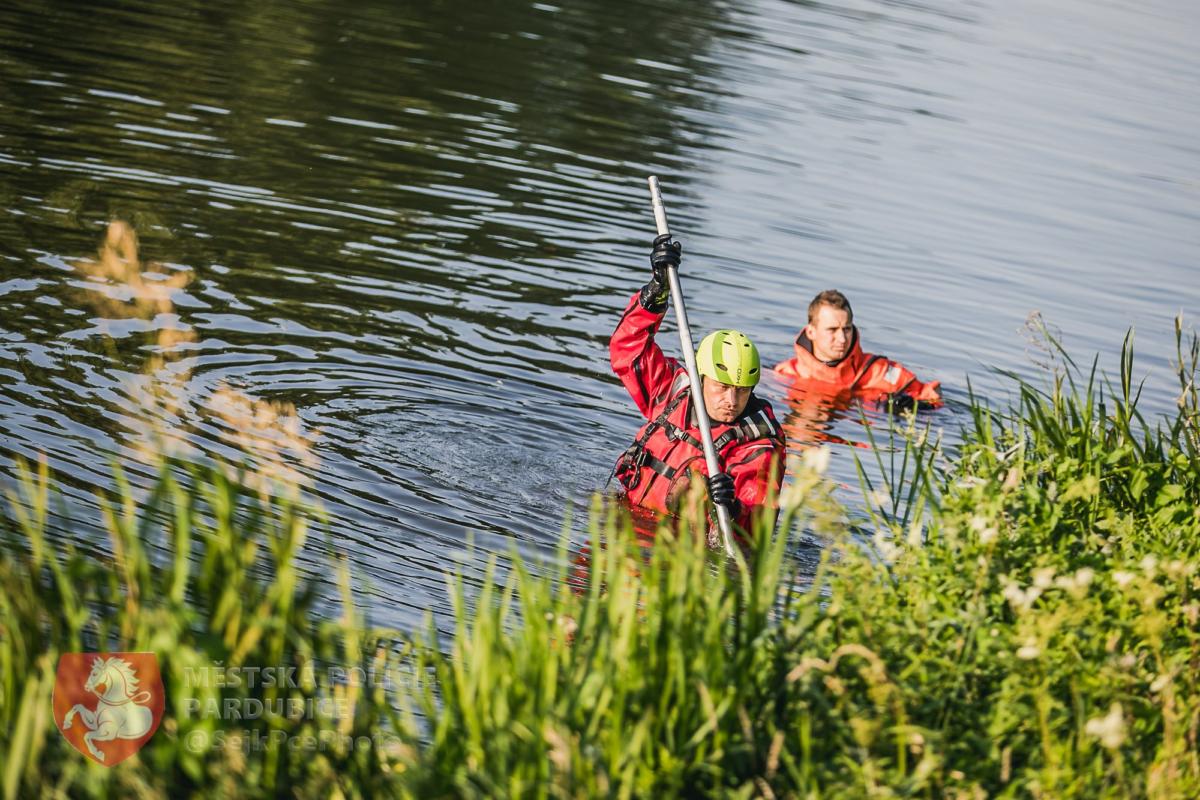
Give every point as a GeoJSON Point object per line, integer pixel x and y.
{"type": "Point", "coordinates": [729, 357]}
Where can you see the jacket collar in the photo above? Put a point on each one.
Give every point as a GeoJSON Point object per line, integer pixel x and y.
{"type": "Point", "coordinates": [804, 348]}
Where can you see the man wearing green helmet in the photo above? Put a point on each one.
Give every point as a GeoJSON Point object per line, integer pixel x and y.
{"type": "Point", "coordinates": [656, 469]}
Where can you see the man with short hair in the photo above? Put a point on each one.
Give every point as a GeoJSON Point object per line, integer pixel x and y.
{"type": "Point", "coordinates": [657, 467]}
{"type": "Point", "coordinates": [829, 357]}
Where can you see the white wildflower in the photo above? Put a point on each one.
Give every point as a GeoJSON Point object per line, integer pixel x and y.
{"type": "Point", "coordinates": [916, 532]}
{"type": "Point", "coordinates": [817, 459]}
{"type": "Point", "coordinates": [1176, 569]}
{"type": "Point", "coordinates": [1029, 651]}
{"type": "Point", "coordinates": [884, 546]}
{"type": "Point", "coordinates": [1076, 584]}
{"type": "Point", "coordinates": [1150, 565]}
{"type": "Point", "coordinates": [1021, 599]}
{"type": "Point", "coordinates": [1043, 578]}
{"type": "Point", "coordinates": [1109, 729]}
{"type": "Point", "coordinates": [1160, 683]}
{"type": "Point", "coordinates": [1123, 578]}
{"type": "Point", "coordinates": [987, 533]}
{"type": "Point", "coordinates": [1013, 594]}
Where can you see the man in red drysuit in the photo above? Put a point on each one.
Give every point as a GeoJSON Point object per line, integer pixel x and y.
{"type": "Point", "coordinates": [657, 467]}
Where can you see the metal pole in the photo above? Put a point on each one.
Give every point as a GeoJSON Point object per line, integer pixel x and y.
{"type": "Point", "coordinates": [689, 361]}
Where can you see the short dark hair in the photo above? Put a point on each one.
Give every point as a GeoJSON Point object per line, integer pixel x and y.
{"type": "Point", "coordinates": [832, 298]}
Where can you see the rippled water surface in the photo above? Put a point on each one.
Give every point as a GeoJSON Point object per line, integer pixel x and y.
{"type": "Point", "coordinates": [419, 224]}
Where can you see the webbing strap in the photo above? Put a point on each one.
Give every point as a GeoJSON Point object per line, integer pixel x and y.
{"type": "Point", "coordinates": [757, 425]}
{"type": "Point", "coordinates": [636, 453]}
{"type": "Point", "coordinates": [659, 466]}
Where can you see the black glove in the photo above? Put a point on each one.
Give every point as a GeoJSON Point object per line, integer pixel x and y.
{"type": "Point", "coordinates": [900, 403]}
{"type": "Point", "coordinates": [666, 253]}
{"type": "Point", "coordinates": [720, 490]}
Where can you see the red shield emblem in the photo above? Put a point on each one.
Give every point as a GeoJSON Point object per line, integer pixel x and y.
{"type": "Point", "coordinates": [108, 704]}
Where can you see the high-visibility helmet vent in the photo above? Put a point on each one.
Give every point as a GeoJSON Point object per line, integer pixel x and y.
{"type": "Point", "coordinates": [730, 357]}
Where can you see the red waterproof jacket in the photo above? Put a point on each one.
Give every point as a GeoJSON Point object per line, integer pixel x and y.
{"type": "Point", "coordinates": [860, 374]}
{"type": "Point", "coordinates": [656, 468]}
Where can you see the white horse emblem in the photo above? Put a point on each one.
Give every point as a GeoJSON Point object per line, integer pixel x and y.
{"type": "Point", "coordinates": [120, 713]}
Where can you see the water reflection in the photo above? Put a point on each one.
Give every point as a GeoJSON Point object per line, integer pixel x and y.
{"type": "Point", "coordinates": [812, 416]}
{"type": "Point", "coordinates": [408, 224]}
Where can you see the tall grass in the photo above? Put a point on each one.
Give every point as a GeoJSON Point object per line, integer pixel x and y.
{"type": "Point", "coordinates": [204, 573]}
{"type": "Point", "coordinates": [1022, 624]}
{"type": "Point", "coordinates": [649, 680]}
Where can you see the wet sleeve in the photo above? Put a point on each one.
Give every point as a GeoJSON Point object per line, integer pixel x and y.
{"type": "Point", "coordinates": [638, 360]}
{"type": "Point", "coordinates": [886, 376]}
{"type": "Point", "coordinates": [787, 369]}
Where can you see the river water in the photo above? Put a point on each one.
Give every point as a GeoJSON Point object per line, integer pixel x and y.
{"type": "Point", "coordinates": [419, 224]}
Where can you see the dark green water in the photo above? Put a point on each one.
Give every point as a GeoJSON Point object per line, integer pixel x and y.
{"type": "Point", "coordinates": [419, 222]}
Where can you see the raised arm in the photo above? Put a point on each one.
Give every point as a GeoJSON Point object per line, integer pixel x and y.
{"type": "Point", "coordinates": [636, 358]}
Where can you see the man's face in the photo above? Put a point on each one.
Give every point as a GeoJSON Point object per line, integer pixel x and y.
{"type": "Point", "coordinates": [725, 403]}
{"type": "Point", "coordinates": [831, 333]}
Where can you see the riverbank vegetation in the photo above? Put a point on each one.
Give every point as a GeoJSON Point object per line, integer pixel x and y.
{"type": "Point", "coordinates": [1021, 622]}
{"type": "Point", "coordinates": [202, 569]}
{"type": "Point", "coordinates": [1017, 618]}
